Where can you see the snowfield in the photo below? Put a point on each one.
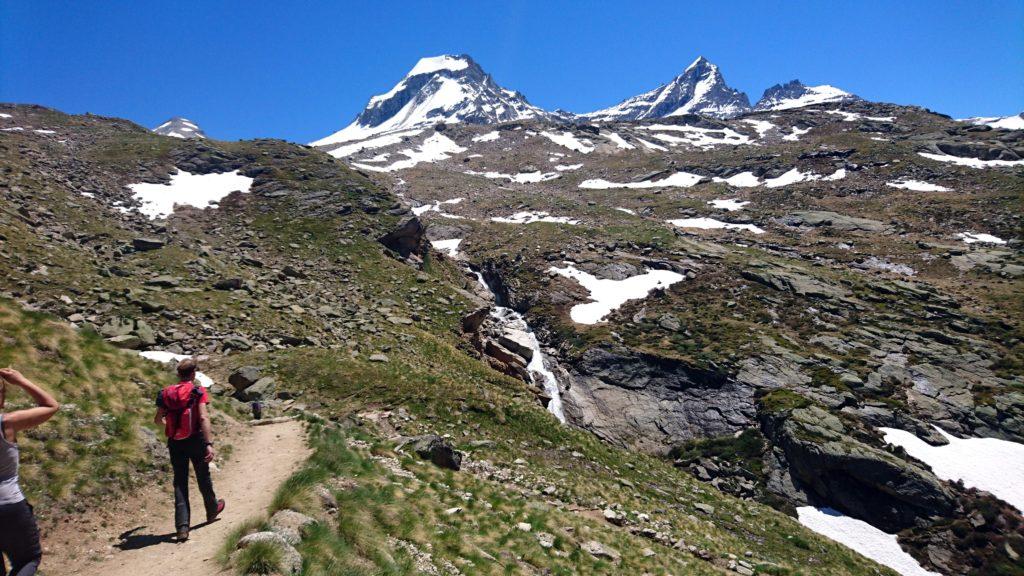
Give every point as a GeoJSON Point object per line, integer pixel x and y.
{"type": "Point", "coordinates": [619, 141]}
{"type": "Point", "coordinates": [569, 141]}
{"type": "Point", "coordinates": [437, 147]}
{"type": "Point", "coordinates": [1000, 122]}
{"type": "Point", "coordinates": [917, 186]}
{"type": "Point", "coordinates": [531, 217]}
{"type": "Point", "coordinates": [795, 175]}
{"type": "Point", "coordinates": [813, 95]}
{"type": "Point", "coordinates": [972, 162]}
{"type": "Point", "coordinates": [450, 247]}
{"type": "Point", "coordinates": [435, 207]}
{"type": "Point", "coordinates": [971, 238]}
{"type": "Point", "coordinates": [989, 464]}
{"type": "Point", "coordinates": [712, 224]}
{"type": "Point", "coordinates": [186, 189]}
{"type": "Point", "coordinates": [741, 180]}
{"type": "Point", "coordinates": [795, 134]}
{"type": "Point", "coordinates": [609, 295]}
{"type": "Point", "coordinates": [862, 538]}
{"type": "Point", "coordinates": [729, 204]}
{"type": "Point", "coordinates": [372, 143]}
{"type": "Point", "coordinates": [853, 116]}
{"type": "Point", "coordinates": [703, 138]}
{"type": "Point", "coordinates": [489, 137]}
{"type": "Point", "coordinates": [679, 180]}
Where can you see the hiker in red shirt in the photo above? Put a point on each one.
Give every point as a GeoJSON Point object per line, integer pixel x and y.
{"type": "Point", "coordinates": [182, 410]}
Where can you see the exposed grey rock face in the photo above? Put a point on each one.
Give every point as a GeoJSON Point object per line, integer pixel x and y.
{"type": "Point", "coordinates": [827, 463]}
{"type": "Point", "coordinates": [700, 89]}
{"type": "Point", "coordinates": [407, 238]}
{"type": "Point", "coordinates": [651, 403]}
{"type": "Point", "coordinates": [179, 127]}
{"type": "Point", "coordinates": [816, 218]}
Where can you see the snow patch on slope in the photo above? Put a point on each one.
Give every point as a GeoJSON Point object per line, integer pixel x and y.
{"type": "Point", "coordinates": [437, 147]}
{"type": "Point", "coordinates": [679, 180]}
{"type": "Point", "coordinates": [609, 295]}
{"type": "Point", "coordinates": [186, 189]}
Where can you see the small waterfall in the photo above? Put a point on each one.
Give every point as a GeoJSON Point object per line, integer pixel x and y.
{"type": "Point", "coordinates": [509, 317]}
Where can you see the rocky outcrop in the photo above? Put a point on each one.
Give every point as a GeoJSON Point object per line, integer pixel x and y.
{"type": "Point", "coordinates": [830, 466]}
{"type": "Point", "coordinates": [407, 238]}
{"type": "Point", "coordinates": [841, 222]}
{"type": "Point", "coordinates": [652, 403]}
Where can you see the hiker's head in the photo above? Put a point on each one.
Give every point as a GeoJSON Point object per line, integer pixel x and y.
{"type": "Point", "coordinates": [187, 370]}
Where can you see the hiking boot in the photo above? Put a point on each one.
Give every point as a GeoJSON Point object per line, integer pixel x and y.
{"type": "Point", "coordinates": [211, 516]}
{"type": "Point", "coordinates": [182, 534]}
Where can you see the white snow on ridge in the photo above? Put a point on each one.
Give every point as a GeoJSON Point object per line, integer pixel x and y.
{"type": "Point", "coordinates": [531, 217]}
{"type": "Point", "coordinates": [712, 224]}
{"type": "Point", "coordinates": [569, 141]}
{"type": "Point", "coordinates": [568, 167]}
{"type": "Point", "coordinates": [729, 204]}
{"type": "Point", "coordinates": [989, 464]}
{"type": "Point", "coordinates": [626, 210]}
{"type": "Point", "coordinates": [972, 162]}
{"type": "Point", "coordinates": [1001, 122]}
{"type": "Point", "coordinates": [812, 95]}
{"type": "Point", "coordinates": [372, 143]}
{"type": "Point", "coordinates": [917, 186]}
{"type": "Point", "coordinates": [609, 295]}
{"type": "Point", "coordinates": [186, 189]}
{"type": "Point", "coordinates": [862, 538]}
{"type": "Point", "coordinates": [971, 238]}
{"type": "Point", "coordinates": [437, 147]}
{"type": "Point", "coordinates": [3, 115]}
{"type": "Point", "coordinates": [435, 63]}
{"type": "Point", "coordinates": [853, 116]}
{"type": "Point", "coordinates": [679, 180]}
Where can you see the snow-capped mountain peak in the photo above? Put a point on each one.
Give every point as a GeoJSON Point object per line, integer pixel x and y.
{"type": "Point", "coordinates": [794, 94]}
{"type": "Point", "coordinates": [179, 127]}
{"type": "Point", "coordinates": [440, 89]}
{"type": "Point", "coordinates": [700, 89]}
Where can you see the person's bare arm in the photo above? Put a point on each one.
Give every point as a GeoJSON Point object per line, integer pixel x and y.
{"type": "Point", "coordinates": [159, 418]}
{"type": "Point", "coordinates": [204, 425]}
{"type": "Point", "coordinates": [46, 405]}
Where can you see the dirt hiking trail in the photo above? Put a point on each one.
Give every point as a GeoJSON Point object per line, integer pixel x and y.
{"type": "Point", "coordinates": [141, 544]}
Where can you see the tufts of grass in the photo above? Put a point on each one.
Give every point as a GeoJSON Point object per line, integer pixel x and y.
{"type": "Point", "coordinates": [259, 558]}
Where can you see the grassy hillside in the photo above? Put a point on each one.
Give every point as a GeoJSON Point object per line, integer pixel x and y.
{"type": "Point", "coordinates": [94, 447]}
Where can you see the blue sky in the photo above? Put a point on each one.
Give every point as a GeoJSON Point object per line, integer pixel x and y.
{"type": "Point", "coordinates": [300, 70]}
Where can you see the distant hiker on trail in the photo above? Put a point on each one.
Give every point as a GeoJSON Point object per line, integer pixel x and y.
{"type": "Point", "coordinates": [182, 410]}
{"type": "Point", "coordinates": [19, 534]}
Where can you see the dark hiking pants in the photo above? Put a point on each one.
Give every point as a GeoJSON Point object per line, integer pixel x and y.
{"type": "Point", "coordinates": [182, 452]}
{"type": "Point", "coordinates": [19, 539]}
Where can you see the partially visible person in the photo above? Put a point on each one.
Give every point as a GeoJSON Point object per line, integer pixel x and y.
{"type": "Point", "coordinates": [19, 534]}
{"type": "Point", "coordinates": [182, 409]}
{"type": "Point", "coordinates": [257, 410]}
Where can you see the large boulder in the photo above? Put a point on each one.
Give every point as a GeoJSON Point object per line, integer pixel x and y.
{"type": "Point", "coordinates": [436, 449]}
{"type": "Point", "coordinates": [244, 377]}
{"type": "Point", "coordinates": [407, 238]}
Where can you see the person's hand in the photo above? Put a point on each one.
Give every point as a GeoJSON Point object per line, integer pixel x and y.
{"type": "Point", "coordinates": [11, 375]}
{"type": "Point", "coordinates": [209, 454]}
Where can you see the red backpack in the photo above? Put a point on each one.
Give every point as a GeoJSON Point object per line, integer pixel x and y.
{"type": "Point", "coordinates": [181, 401]}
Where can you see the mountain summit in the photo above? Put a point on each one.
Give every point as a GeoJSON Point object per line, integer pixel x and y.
{"type": "Point", "coordinates": [794, 94]}
{"type": "Point", "coordinates": [441, 89]}
{"type": "Point", "coordinates": [179, 127]}
{"type": "Point", "coordinates": [700, 89]}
